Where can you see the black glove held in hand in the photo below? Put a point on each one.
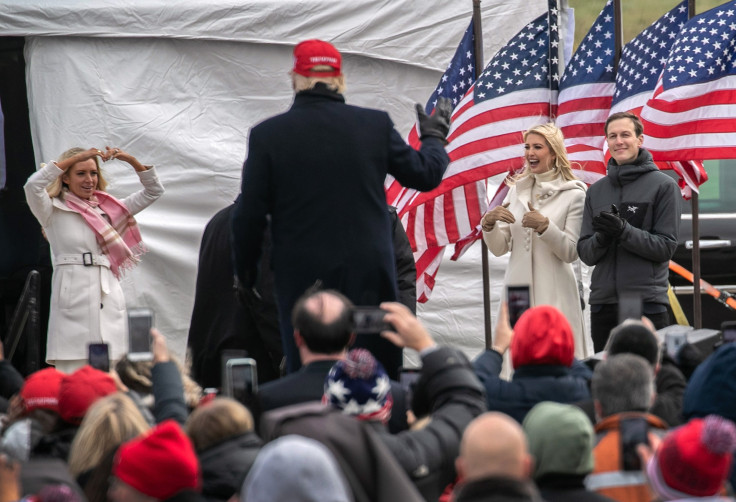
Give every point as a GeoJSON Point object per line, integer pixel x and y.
{"type": "Point", "coordinates": [610, 224]}
{"type": "Point", "coordinates": [438, 124]}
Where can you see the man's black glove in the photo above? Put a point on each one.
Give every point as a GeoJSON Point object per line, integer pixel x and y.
{"type": "Point", "coordinates": [602, 239]}
{"type": "Point", "coordinates": [438, 124]}
{"type": "Point", "coordinates": [609, 223]}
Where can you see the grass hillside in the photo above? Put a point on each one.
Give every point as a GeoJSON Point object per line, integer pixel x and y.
{"type": "Point", "coordinates": [637, 14]}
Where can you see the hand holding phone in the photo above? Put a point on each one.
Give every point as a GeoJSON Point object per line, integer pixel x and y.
{"type": "Point", "coordinates": [140, 322]}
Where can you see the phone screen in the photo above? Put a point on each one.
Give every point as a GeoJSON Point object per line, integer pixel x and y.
{"type": "Point", "coordinates": [140, 322]}
{"type": "Point", "coordinates": [369, 320]}
{"type": "Point", "coordinates": [242, 380]}
{"type": "Point", "coordinates": [518, 299]}
{"type": "Point", "coordinates": [99, 356]}
{"type": "Point", "coordinates": [634, 431]}
{"type": "Point", "coordinates": [629, 307]}
{"type": "Point", "coordinates": [225, 356]}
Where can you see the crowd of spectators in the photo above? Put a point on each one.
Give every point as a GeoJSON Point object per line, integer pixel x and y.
{"type": "Point", "coordinates": [627, 426]}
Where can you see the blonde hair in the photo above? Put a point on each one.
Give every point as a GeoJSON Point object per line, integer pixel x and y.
{"type": "Point", "coordinates": [216, 421]}
{"type": "Point", "coordinates": [301, 83]}
{"type": "Point", "coordinates": [556, 142]}
{"type": "Point", "coordinates": [55, 187]}
{"type": "Point", "coordinates": [109, 422]}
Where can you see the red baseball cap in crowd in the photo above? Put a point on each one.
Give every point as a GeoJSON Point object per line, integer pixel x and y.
{"type": "Point", "coordinates": [80, 390]}
{"type": "Point", "coordinates": [311, 53]}
{"type": "Point", "coordinates": [41, 390]}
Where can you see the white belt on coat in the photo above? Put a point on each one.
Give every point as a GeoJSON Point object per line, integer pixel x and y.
{"type": "Point", "coordinates": [87, 260]}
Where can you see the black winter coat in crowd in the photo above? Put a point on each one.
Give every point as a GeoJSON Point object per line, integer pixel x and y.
{"type": "Point", "coordinates": [225, 465]}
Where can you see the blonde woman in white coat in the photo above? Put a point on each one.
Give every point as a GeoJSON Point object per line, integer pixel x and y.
{"type": "Point", "coordinates": [539, 222]}
{"type": "Point", "coordinates": [93, 238]}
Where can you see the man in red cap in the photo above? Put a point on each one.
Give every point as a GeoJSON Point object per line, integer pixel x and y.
{"type": "Point", "coordinates": [318, 171]}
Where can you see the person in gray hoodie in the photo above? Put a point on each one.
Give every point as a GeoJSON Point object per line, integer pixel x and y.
{"type": "Point", "coordinates": [630, 229]}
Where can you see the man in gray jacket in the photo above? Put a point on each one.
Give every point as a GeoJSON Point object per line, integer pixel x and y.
{"type": "Point", "coordinates": [629, 232]}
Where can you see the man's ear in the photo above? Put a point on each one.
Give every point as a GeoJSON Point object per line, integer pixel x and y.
{"type": "Point", "coordinates": [598, 410]}
{"type": "Point", "coordinates": [460, 468]}
{"type": "Point", "coordinates": [528, 466]}
{"type": "Point", "coordinates": [298, 339]}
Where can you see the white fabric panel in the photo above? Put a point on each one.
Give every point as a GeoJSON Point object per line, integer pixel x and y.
{"type": "Point", "coordinates": [419, 32]}
{"type": "Point", "coordinates": [179, 86]}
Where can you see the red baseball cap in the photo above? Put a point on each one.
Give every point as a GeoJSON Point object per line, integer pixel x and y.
{"type": "Point", "coordinates": [311, 53]}
{"type": "Point", "coordinates": [41, 390]}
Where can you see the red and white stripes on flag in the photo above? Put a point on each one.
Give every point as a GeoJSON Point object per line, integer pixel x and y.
{"type": "Point", "coordinates": [691, 113]}
{"type": "Point", "coordinates": [516, 91]}
{"type": "Point", "coordinates": [586, 90]}
{"type": "Point", "coordinates": [642, 62]}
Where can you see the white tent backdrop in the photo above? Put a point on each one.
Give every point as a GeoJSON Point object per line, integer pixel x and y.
{"type": "Point", "coordinates": [179, 85]}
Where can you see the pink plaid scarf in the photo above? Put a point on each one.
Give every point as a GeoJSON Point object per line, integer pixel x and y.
{"type": "Point", "coordinates": [119, 240]}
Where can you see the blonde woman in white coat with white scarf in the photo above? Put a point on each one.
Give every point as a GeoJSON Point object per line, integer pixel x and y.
{"type": "Point", "coordinates": [539, 222]}
{"type": "Point", "coordinates": [93, 238]}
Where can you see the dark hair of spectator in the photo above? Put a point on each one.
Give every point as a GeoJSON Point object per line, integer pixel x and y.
{"type": "Point", "coordinates": [322, 337]}
{"type": "Point", "coordinates": [634, 338]}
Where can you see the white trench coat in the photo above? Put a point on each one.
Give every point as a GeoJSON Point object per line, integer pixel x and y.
{"type": "Point", "coordinates": [87, 302]}
{"type": "Point", "coordinates": [544, 262]}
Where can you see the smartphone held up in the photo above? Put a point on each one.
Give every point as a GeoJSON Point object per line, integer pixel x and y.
{"type": "Point", "coordinates": [140, 322]}
{"type": "Point", "coordinates": [241, 379]}
{"type": "Point", "coordinates": [99, 356]}
{"type": "Point", "coordinates": [518, 299]}
{"type": "Point", "coordinates": [369, 320]}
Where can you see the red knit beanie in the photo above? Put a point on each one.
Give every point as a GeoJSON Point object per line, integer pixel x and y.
{"type": "Point", "coordinates": [694, 459]}
{"type": "Point", "coordinates": [41, 390]}
{"type": "Point", "coordinates": [159, 463]}
{"type": "Point", "coordinates": [542, 335]}
{"type": "Point", "coordinates": [82, 388]}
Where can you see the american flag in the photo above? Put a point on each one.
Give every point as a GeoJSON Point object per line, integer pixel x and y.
{"type": "Point", "coordinates": [641, 64]}
{"type": "Point", "coordinates": [691, 113]}
{"type": "Point", "coordinates": [433, 224]}
{"type": "Point", "coordinates": [585, 96]}
{"type": "Point", "coordinates": [515, 91]}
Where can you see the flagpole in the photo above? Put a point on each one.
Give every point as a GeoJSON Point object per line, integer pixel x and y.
{"type": "Point", "coordinates": [618, 36]}
{"type": "Point", "coordinates": [479, 65]}
{"type": "Point", "coordinates": [556, 70]}
{"type": "Point", "coordinates": [697, 299]}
